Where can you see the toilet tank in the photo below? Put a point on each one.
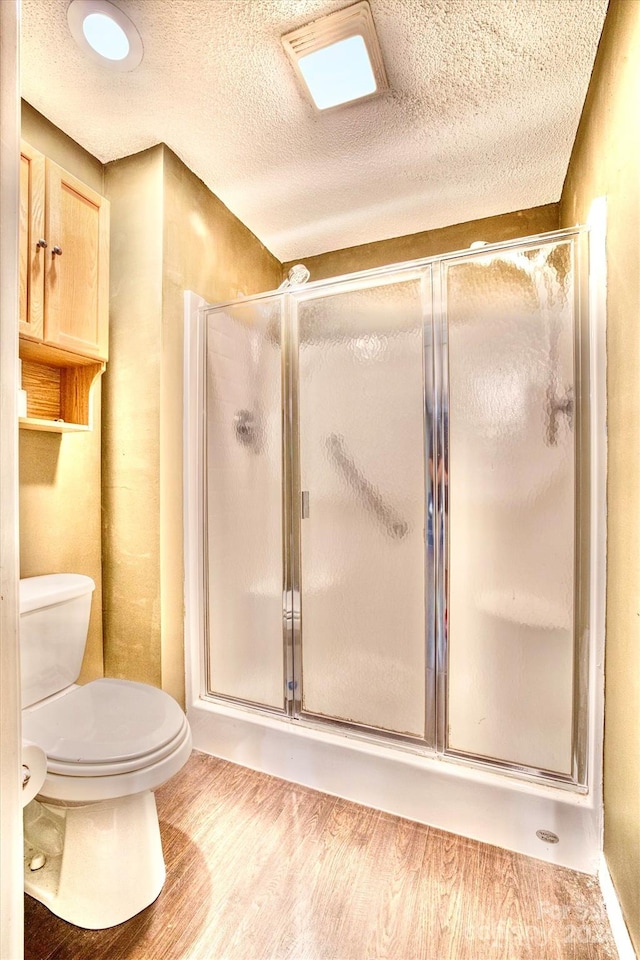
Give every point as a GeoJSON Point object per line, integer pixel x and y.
{"type": "Point", "coordinates": [54, 620]}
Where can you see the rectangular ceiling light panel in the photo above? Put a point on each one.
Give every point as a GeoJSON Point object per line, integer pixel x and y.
{"type": "Point", "coordinates": [338, 57]}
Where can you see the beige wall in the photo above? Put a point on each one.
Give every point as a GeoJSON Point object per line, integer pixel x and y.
{"type": "Point", "coordinates": [169, 234]}
{"type": "Point", "coordinates": [507, 226]}
{"type": "Point", "coordinates": [60, 473]}
{"type": "Point", "coordinates": [131, 421]}
{"type": "Point", "coordinates": [605, 162]}
{"type": "Point", "coordinates": [50, 140]}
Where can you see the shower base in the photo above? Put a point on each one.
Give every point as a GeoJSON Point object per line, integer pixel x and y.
{"type": "Point", "coordinates": [484, 805]}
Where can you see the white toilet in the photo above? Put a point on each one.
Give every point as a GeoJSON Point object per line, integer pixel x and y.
{"type": "Point", "coordinates": [93, 854]}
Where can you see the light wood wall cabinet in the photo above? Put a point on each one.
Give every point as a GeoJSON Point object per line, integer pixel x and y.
{"type": "Point", "coordinates": [32, 243]}
{"type": "Point", "coordinates": [64, 292]}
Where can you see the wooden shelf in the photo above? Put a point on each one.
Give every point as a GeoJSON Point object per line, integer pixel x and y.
{"type": "Point", "coordinates": [58, 386]}
{"type": "Point", "coordinates": [52, 426]}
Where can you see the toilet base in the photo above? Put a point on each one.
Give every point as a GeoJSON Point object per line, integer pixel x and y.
{"type": "Point", "coordinates": [103, 861]}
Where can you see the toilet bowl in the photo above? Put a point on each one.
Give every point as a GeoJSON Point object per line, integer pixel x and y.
{"type": "Point", "coordinates": [93, 853]}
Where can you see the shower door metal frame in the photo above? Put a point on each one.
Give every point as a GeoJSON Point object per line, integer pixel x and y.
{"type": "Point", "coordinates": [290, 513]}
{"type": "Point", "coordinates": [435, 384]}
{"type": "Point", "coordinates": [292, 503]}
{"type": "Point", "coordinates": [578, 778]}
{"type": "Point", "coordinates": [207, 692]}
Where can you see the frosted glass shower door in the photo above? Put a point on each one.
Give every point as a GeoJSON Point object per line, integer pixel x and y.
{"type": "Point", "coordinates": [362, 470]}
{"type": "Point", "coordinates": [511, 504]}
{"type": "Point", "coordinates": [243, 470]}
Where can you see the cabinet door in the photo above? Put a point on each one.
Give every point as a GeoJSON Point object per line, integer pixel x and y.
{"type": "Point", "coordinates": [77, 275]}
{"type": "Point", "coordinates": [32, 252]}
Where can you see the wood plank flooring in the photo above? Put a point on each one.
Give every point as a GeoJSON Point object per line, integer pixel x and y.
{"type": "Point", "coordinates": [261, 869]}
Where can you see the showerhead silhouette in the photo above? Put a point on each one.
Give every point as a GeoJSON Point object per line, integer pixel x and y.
{"type": "Point", "coordinates": [296, 276]}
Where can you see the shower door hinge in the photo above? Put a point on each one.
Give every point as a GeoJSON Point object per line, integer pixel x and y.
{"type": "Point", "coordinates": [305, 504]}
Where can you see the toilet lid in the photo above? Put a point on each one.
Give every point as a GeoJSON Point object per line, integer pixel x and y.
{"type": "Point", "coordinates": [105, 721]}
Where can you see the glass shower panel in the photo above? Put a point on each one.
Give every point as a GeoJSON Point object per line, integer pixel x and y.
{"type": "Point", "coordinates": [362, 456]}
{"type": "Point", "coordinates": [511, 505]}
{"type": "Point", "coordinates": [244, 502]}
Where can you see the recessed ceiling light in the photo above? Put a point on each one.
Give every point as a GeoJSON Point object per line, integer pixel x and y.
{"type": "Point", "coordinates": [105, 36]}
{"type": "Point", "coordinates": [105, 33]}
{"type": "Point", "coordinates": [338, 57]}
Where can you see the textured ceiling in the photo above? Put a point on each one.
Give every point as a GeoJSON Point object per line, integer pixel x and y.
{"type": "Point", "coordinates": [481, 114]}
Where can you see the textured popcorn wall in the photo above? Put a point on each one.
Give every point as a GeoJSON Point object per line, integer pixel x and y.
{"type": "Point", "coordinates": [431, 243]}
{"type": "Point", "coordinates": [605, 163]}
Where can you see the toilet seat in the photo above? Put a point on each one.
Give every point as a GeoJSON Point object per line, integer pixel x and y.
{"type": "Point", "coordinates": [108, 738]}
{"type": "Point", "coordinates": [114, 724]}
{"type": "Point", "coordinates": [67, 768]}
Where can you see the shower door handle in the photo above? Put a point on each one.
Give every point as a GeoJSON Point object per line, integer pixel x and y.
{"type": "Point", "coordinates": [305, 504]}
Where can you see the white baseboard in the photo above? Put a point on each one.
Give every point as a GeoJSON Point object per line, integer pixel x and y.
{"type": "Point", "coordinates": [614, 911]}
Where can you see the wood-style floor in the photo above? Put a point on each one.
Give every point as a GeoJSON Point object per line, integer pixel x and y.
{"type": "Point", "coordinates": [261, 869]}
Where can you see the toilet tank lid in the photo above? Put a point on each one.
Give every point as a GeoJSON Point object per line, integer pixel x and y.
{"type": "Point", "coordinates": [39, 592]}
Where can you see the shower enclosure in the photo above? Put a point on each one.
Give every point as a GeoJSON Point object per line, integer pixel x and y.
{"type": "Point", "coordinates": [394, 489]}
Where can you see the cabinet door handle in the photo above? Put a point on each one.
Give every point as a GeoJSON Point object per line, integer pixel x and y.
{"type": "Point", "coordinates": [42, 243]}
{"type": "Point", "coordinates": [56, 250]}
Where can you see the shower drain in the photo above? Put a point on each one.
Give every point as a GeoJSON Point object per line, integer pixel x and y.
{"type": "Point", "coordinates": [547, 836]}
